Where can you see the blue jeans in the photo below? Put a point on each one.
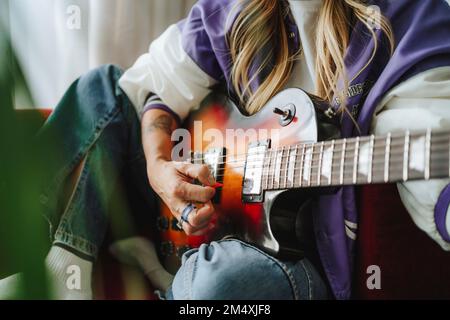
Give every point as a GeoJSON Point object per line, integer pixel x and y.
{"type": "Point", "coordinates": [96, 125]}
{"type": "Point", "coordinates": [232, 269]}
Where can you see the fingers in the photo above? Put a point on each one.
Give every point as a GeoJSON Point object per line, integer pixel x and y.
{"type": "Point", "coordinates": [196, 171]}
{"type": "Point", "coordinates": [202, 216]}
{"type": "Point", "coordinates": [198, 220]}
{"type": "Point", "coordinates": [192, 192]}
{"type": "Point", "coordinates": [178, 193]}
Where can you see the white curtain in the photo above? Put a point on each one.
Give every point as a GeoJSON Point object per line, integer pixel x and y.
{"type": "Point", "coordinates": [58, 40]}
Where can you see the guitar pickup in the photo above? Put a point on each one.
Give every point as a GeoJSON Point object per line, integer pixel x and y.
{"type": "Point", "coordinates": [252, 188]}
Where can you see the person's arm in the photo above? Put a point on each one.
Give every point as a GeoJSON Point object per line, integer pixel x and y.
{"type": "Point", "coordinates": [420, 103]}
{"type": "Point", "coordinates": [165, 85]}
{"type": "Point", "coordinates": [172, 181]}
{"type": "Point", "coordinates": [184, 63]}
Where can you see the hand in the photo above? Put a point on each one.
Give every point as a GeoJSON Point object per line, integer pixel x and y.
{"type": "Point", "coordinates": [173, 182]}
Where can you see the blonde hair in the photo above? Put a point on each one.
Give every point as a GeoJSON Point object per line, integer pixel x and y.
{"type": "Point", "coordinates": [261, 26]}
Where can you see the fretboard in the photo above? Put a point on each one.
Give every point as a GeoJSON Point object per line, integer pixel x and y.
{"type": "Point", "coordinates": [356, 161]}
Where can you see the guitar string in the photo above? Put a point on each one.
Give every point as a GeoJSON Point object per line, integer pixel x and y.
{"type": "Point", "coordinates": [397, 155]}
{"type": "Point", "coordinates": [398, 160]}
{"type": "Point", "coordinates": [442, 164]}
{"type": "Point", "coordinates": [436, 137]}
{"type": "Point", "coordinates": [335, 155]}
{"type": "Point", "coordinates": [324, 181]}
{"type": "Point", "coordinates": [270, 154]}
{"type": "Point", "coordinates": [352, 147]}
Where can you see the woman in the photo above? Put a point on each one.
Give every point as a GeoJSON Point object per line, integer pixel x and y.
{"type": "Point", "coordinates": [340, 50]}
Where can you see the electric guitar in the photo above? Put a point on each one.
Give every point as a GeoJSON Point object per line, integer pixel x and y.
{"type": "Point", "coordinates": [273, 164]}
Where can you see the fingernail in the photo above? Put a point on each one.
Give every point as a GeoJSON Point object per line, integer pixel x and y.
{"type": "Point", "coordinates": [211, 180]}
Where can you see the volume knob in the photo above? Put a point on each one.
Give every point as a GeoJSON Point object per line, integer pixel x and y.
{"type": "Point", "coordinates": [287, 114]}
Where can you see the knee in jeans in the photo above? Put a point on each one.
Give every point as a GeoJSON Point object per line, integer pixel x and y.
{"type": "Point", "coordinates": [108, 70]}
{"type": "Point", "coordinates": [226, 270]}
{"type": "Point", "coordinates": [105, 76]}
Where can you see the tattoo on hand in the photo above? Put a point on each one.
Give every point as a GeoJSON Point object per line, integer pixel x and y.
{"type": "Point", "coordinates": [163, 122]}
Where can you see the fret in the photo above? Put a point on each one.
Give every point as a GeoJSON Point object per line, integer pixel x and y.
{"type": "Point", "coordinates": [341, 173]}
{"type": "Point", "coordinates": [302, 162]}
{"type": "Point", "coordinates": [406, 156]}
{"type": "Point", "coordinates": [272, 169]}
{"type": "Point", "coordinates": [416, 161]}
{"type": "Point", "coordinates": [268, 154]}
{"type": "Point", "coordinates": [297, 167]}
{"type": "Point", "coordinates": [348, 163]}
{"type": "Point", "coordinates": [277, 174]}
{"type": "Point", "coordinates": [427, 154]}
{"type": "Point", "coordinates": [313, 176]}
{"type": "Point", "coordinates": [387, 158]}
{"type": "Point", "coordinates": [327, 163]}
{"type": "Point", "coordinates": [337, 156]}
{"type": "Point", "coordinates": [274, 164]}
{"type": "Point", "coordinates": [311, 165]}
{"type": "Point", "coordinates": [285, 166]}
{"type": "Point", "coordinates": [300, 166]}
{"type": "Point", "coordinates": [439, 164]}
{"type": "Point", "coordinates": [378, 160]}
{"type": "Point", "coordinates": [396, 158]}
{"type": "Point", "coordinates": [371, 150]}
{"type": "Point", "coordinates": [336, 160]}
{"type": "Point", "coordinates": [319, 173]}
{"type": "Point", "coordinates": [266, 163]}
{"type": "Point", "coordinates": [307, 162]}
{"type": "Point", "coordinates": [355, 161]}
{"type": "Point", "coordinates": [314, 165]}
{"type": "Point", "coordinates": [363, 160]}
{"type": "Point", "coordinates": [291, 166]}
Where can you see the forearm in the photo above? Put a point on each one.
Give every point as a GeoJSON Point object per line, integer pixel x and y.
{"type": "Point", "coordinates": [157, 128]}
{"type": "Point", "coordinates": [172, 181]}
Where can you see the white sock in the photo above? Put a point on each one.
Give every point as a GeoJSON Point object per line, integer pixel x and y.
{"type": "Point", "coordinates": [141, 252]}
{"type": "Point", "coordinates": [9, 287]}
{"type": "Point", "coordinates": [70, 276]}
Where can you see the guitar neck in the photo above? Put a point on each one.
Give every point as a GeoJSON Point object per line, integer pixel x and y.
{"type": "Point", "coordinates": [358, 161]}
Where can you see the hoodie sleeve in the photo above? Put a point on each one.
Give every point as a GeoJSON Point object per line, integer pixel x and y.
{"type": "Point", "coordinates": [420, 103]}
{"type": "Point", "coordinates": [182, 65]}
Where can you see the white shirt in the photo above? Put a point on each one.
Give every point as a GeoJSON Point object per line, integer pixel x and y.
{"type": "Point", "coordinates": [305, 13]}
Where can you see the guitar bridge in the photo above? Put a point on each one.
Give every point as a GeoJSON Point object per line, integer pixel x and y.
{"type": "Point", "coordinates": [252, 188]}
